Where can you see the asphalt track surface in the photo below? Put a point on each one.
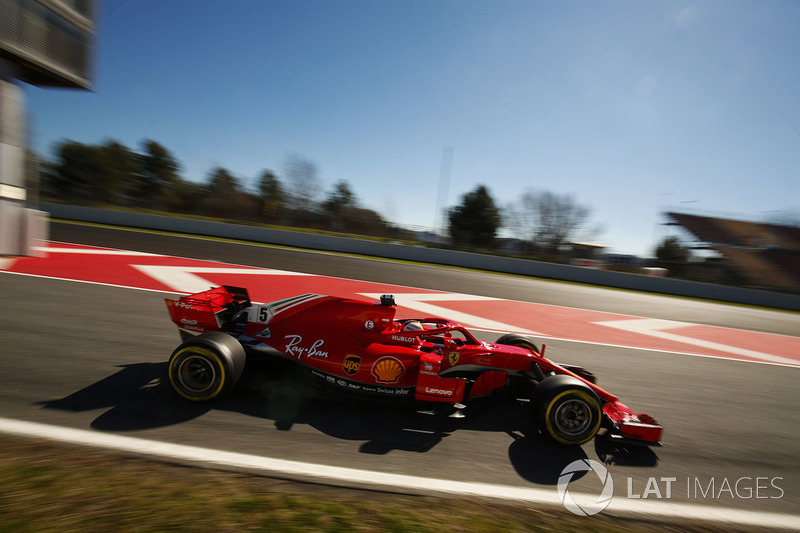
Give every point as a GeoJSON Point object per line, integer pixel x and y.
{"type": "Point", "coordinates": [92, 357]}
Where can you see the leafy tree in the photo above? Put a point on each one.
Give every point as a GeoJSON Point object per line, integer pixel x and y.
{"type": "Point", "coordinates": [476, 221]}
{"type": "Point", "coordinates": [270, 188]}
{"type": "Point", "coordinates": [223, 190]}
{"type": "Point", "coordinates": [547, 219]}
{"type": "Point", "coordinates": [49, 179]}
{"type": "Point", "coordinates": [35, 175]}
{"type": "Point", "coordinates": [340, 198]}
{"type": "Point", "coordinates": [221, 183]}
{"type": "Point", "coordinates": [343, 212]}
{"type": "Point", "coordinates": [187, 197]}
{"type": "Point", "coordinates": [672, 255]}
{"type": "Point", "coordinates": [158, 172]}
{"type": "Point", "coordinates": [83, 172]}
{"type": "Point", "coordinates": [670, 250]}
{"type": "Point", "coordinates": [79, 171]}
{"type": "Point", "coordinates": [119, 169]}
{"type": "Point", "coordinates": [363, 221]}
{"type": "Point", "coordinates": [271, 194]}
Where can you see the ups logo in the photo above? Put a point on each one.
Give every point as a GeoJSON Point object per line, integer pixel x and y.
{"type": "Point", "coordinates": [351, 364]}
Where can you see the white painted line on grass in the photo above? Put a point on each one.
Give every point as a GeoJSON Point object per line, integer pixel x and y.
{"type": "Point", "coordinates": [385, 481]}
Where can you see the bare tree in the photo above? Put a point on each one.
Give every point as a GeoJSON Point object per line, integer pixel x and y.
{"type": "Point", "coordinates": [303, 183]}
{"type": "Point", "coordinates": [548, 220]}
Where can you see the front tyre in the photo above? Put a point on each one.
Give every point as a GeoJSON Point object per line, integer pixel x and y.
{"type": "Point", "coordinates": [515, 339]}
{"type": "Point", "coordinates": [205, 366]}
{"type": "Point", "coordinates": [566, 410]}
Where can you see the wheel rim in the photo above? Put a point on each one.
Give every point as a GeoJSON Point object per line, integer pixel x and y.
{"type": "Point", "coordinates": [196, 373]}
{"type": "Point", "coordinates": [573, 417]}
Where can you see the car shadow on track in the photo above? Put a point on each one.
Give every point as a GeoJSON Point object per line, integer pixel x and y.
{"type": "Point", "coordinates": [136, 398]}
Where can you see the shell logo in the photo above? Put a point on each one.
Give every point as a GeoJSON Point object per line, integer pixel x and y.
{"type": "Point", "coordinates": [388, 370]}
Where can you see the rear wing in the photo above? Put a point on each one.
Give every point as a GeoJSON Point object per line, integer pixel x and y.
{"type": "Point", "coordinates": [209, 310]}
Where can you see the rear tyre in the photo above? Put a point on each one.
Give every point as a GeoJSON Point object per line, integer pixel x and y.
{"type": "Point", "coordinates": [204, 367]}
{"type": "Point", "coordinates": [514, 339]}
{"type": "Point", "coordinates": [566, 410]}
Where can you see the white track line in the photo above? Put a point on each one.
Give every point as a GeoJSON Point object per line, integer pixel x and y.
{"type": "Point", "coordinates": [380, 480]}
{"type": "Point", "coordinates": [92, 251]}
{"type": "Point", "coordinates": [656, 327]}
{"type": "Point", "coordinates": [500, 331]}
{"type": "Point", "coordinates": [185, 278]}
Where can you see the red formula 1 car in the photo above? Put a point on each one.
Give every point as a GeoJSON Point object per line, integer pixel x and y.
{"type": "Point", "coordinates": [361, 347]}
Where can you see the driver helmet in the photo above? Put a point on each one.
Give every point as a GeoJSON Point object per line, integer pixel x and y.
{"type": "Point", "coordinates": [413, 325]}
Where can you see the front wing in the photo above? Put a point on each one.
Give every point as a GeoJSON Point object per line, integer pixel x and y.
{"type": "Point", "coordinates": [626, 426]}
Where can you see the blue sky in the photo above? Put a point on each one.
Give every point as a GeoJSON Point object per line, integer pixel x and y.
{"type": "Point", "coordinates": [632, 106]}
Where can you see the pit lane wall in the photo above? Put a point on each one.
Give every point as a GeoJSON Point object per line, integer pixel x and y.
{"type": "Point", "coordinates": [421, 254]}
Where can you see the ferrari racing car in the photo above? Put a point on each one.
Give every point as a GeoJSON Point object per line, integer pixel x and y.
{"type": "Point", "coordinates": [361, 347]}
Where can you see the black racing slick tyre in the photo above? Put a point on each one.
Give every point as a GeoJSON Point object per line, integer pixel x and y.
{"type": "Point", "coordinates": [205, 366]}
{"type": "Point", "coordinates": [566, 410]}
{"type": "Point", "coordinates": [514, 339]}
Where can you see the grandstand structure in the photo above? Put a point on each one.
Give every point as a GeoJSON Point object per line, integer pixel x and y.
{"type": "Point", "coordinates": [762, 255]}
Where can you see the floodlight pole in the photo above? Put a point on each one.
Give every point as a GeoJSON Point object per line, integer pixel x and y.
{"type": "Point", "coordinates": [440, 217]}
